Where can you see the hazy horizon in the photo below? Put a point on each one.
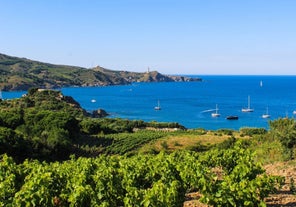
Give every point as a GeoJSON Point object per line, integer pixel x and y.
{"type": "Point", "coordinates": [255, 37]}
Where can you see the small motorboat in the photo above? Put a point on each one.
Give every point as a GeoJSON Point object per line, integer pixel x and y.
{"type": "Point", "coordinates": [232, 117]}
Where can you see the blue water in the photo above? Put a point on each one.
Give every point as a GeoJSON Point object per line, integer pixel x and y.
{"type": "Point", "coordinates": [189, 103]}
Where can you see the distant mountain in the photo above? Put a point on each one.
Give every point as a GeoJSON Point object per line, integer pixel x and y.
{"type": "Point", "coordinates": [21, 74]}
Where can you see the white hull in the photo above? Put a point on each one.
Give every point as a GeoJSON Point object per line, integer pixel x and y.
{"type": "Point", "coordinates": [157, 107]}
{"type": "Point", "coordinates": [216, 114]}
{"type": "Point", "coordinates": [265, 116]}
{"type": "Point", "coordinates": [249, 108]}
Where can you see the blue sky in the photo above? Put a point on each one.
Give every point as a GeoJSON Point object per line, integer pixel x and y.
{"type": "Point", "coordinates": [172, 37]}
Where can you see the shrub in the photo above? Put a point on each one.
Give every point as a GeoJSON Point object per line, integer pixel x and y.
{"type": "Point", "coordinates": [252, 131]}
{"type": "Point", "coordinates": [285, 131]}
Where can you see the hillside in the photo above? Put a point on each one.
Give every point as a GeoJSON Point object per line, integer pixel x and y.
{"type": "Point", "coordinates": [164, 163]}
{"type": "Point", "coordinates": [46, 125]}
{"type": "Point", "coordinates": [22, 74]}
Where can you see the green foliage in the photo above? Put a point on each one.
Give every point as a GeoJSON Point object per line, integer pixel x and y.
{"type": "Point", "coordinates": [199, 147]}
{"type": "Point", "coordinates": [226, 131]}
{"type": "Point", "coordinates": [229, 143]}
{"type": "Point", "coordinates": [90, 126]}
{"type": "Point", "coordinates": [164, 145]}
{"type": "Point", "coordinates": [158, 125]}
{"type": "Point", "coordinates": [42, 100]}
{"type": "Point", "coordinates": [46, 133]}
{"type": "Point", "coordinates": [49, 126]}
{"type": "Point", "coordinates": [252, 131]}
{"type": "Point", "coordinates": [11, 180]}
{"type": "Point", "coordinates": [11, 118]}
{"type": "Point", "coordinates": [285, 131]}
{"type": "Point", "coordinates": [110, 126]}
{"type": "Point", "coordinates": [51, 133]}
{"type": "Point", "coordinates": [32, 91]}
{"type": "Point", "coordinates": [151, 181]}
{"type": "Point", "coordinates": [12, 143]}
{"type": "Point", "coordinates": [142, 180]}
{"type": "Point", "coordinates": [127, 142]}
{"type": "Point", "coordinates": [200, 131]}
{"type": "Point", "coordinates": [37, 122]}
{"type": "Point", "coordinates": [241, 184]}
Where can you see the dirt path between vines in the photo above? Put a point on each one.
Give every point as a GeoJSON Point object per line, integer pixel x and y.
{"type": "Point", "coordinates": [283, 198]}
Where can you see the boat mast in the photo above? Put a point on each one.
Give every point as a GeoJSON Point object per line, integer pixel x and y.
{"type": "Point", "coordinates": [249, 102]}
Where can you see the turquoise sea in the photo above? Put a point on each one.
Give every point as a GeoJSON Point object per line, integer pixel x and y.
{"type": "Point", "coordinates": [191, 103]}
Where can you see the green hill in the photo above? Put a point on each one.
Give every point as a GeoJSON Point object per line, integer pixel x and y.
{"type": "Point", "coordinates": [45, 138]}
{"type": "Point", "coordinates": [46, 125]}
{"type": "Point", "coordinates": [22, 74]}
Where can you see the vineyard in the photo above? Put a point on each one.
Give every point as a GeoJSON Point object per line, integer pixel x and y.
{"type": "Point", "coordinates": [140, 180]}
{"type": "Point", "coordinates": [53, 153]}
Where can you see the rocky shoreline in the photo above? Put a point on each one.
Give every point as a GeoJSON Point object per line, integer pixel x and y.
{"type": "Point", "coordinates": [19, 74]}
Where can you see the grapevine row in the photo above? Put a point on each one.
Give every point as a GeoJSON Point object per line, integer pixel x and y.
{"type": "Point", "coordinates": [141, 180]}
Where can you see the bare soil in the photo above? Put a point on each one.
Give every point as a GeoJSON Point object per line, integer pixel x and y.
{"type": "Point", "coordinates": [283, 198]}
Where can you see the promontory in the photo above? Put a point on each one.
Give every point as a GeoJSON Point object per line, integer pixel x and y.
{"type": "Point", "coordinates": [21, 74]}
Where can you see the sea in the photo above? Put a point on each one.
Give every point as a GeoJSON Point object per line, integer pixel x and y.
{"type": "Point", "coordinates": [192, 103]}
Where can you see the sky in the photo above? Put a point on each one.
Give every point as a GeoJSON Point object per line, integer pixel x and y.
{"type": "Point", "coordinates": [202, 37]}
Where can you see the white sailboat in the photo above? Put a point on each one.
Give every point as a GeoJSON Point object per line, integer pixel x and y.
{"type": "Point", "coordinates": [266, 115]}
{"type": "Point", "coordinates": [158, 106]}
{"type": "Point", "coordinates": [249, 108]}
{"type": "Point", "coordinates": [216, 114]}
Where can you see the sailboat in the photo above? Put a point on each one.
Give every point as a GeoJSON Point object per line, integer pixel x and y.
{"type": "Point", "coordinates": [158, 106]}
{"type": "Point", "coordinates": [216, 114]}
{"type": "Point", "coordinates": [266, 115]}
{"type": "Point", "coordinates": [249, 108]}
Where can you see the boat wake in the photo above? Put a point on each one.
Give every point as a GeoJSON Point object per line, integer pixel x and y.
{"type": "Point", "coordinates": [209, 110]}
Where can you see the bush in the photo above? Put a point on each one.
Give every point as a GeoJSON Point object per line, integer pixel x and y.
{"type": "Point", "coordinates": [285, 131]}
{"type": "Point", "coordinates": [252, 131]}
{"type": "Point", "coordinates": [11, 118]}
{"type": "Point", "coordinates": [229, 143]}
{"type": "Point", "coordinates": [226, 131]}
{"type": "Point", "coordinates": [12, 143]}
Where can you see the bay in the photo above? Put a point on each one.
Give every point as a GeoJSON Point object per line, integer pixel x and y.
{"type": "Point", "coordinates": [191, 103]}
